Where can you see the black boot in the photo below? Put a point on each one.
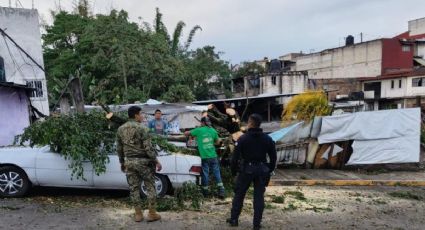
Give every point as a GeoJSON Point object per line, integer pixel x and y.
{"type": "Point", "coordinates": [232, 222]}
{"type": "Point", "coordinates": [205, 193]}
{"type": "Point", "coordinates": [221, 194]}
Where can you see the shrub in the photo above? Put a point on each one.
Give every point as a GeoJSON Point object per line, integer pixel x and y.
{"type": "Point", "coordinates": [306, 106]}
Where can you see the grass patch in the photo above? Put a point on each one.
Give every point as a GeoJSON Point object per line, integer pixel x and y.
{"type": "Point", "coordinates": [355, 194]}
{"type": "Point", "coordinates": [358, 199]}
{"type": "Point", "coordinates": [379, 202]}
{"type": "Point", "coordinates": [278, 199]}
{"type": "Point", "coordinates": [250, 191]}
{"type": "Point", "coordinates": [320, 209]}
{"type": "Point", "coordinates": [290, 207]}
{"type": "Point", "coordinates": [269, 206]}
{"type": "Point", "coordinates": [167, 204]}
{"type": "Point", "coordinates": [375, 172]}
{"type": "Point", "coordinates": [405, 195]}
{"type": "Point", "coordinates": [296, 194]}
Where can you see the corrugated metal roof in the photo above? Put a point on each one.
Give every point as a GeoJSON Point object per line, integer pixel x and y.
{"type": "Point", "coordinates": [244, 98]}
{"type": "Point", "coordinates": [420, 61]}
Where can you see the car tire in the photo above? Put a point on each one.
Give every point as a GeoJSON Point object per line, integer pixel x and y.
{"type": "Point", "coordinates": [13, 182]}
{"type": "Point", "coordinates": [161, 186]}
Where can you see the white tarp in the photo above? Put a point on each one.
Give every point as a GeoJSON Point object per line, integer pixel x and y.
{"type": "Point", "coordinates": [386, 136]}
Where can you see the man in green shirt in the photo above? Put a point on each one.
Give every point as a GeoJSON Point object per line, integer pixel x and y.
{"type": "Point", "coordinates": [206, 137]}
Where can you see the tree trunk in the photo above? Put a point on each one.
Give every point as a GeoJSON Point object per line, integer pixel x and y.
{"type": "Point", "coordinates": [64, 105]}
{"type": "Point", "coordinates": [77, 94]}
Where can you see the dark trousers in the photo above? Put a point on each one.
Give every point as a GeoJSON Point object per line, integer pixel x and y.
{"type": "Point", "coordinates": [258, 175]}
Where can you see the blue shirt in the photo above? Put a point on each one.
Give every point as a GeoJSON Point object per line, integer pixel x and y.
{"type": "Point", "coordinates": [158, 126]}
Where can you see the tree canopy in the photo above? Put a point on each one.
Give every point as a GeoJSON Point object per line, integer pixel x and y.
{"type": "Point", "coordinates": [119, 61]}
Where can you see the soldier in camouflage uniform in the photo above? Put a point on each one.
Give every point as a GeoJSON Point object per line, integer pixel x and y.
{"type": "Point", "coordinates": [138, 161]}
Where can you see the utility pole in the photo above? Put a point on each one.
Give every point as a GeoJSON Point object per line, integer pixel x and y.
{"type": "Point", "coordinates": [361, 36]}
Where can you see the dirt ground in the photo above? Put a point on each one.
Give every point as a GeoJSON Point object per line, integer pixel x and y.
{"type": "Point", "coordinates": [286, 208]}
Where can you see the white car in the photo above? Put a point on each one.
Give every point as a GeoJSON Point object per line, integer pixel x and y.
{"type": "Point", "coordinates": [24, 167]}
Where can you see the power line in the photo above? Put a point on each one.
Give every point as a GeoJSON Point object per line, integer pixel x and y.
{"type": "Point", "coordinates": [20, 48]}
{"type": "Point", "coordinates": [18, 67]}
{"type": "Point", "coordinates": [15, 64]}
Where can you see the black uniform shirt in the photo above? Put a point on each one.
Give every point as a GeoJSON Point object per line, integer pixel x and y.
{"type": "Point", "coordinates": [254, 146]}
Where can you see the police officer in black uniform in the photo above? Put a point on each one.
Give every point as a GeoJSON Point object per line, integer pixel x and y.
{"type": "Point", "coordinates": [250, 159]}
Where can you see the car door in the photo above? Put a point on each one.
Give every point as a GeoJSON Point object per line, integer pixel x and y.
{"type": "Point", "coordinates": [113, 177]}
{"type": "Point", "coordinates": [53, 170]}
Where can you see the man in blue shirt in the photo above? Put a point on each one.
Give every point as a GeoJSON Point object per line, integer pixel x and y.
{"type": "Point", "coordinates": [158, 125]}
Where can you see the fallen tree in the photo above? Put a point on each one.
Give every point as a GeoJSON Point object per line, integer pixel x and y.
{"type": "Point", "coordinates": [84, 137]}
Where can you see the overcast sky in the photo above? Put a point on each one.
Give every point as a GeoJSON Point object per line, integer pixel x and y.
{"type": "Point", "coordinates": [252, 29]}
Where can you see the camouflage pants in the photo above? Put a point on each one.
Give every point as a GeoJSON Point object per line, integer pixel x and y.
{"type": "Point", "coordinates": [139, 170]}
{"type": "Point", "coordinates": [229, 145]}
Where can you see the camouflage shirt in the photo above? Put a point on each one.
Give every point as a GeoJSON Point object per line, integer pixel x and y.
{"type": "Point", "coordinates": [134, 141]}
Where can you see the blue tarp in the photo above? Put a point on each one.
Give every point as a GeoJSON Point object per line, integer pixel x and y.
{"type": "Point", "coordinates": [277, 135]}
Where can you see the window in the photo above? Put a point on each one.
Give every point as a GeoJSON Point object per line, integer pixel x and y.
{"type": "Point", "coordinates": [405, 48]}
{"type": "Point", "coordinates": [418, 82]}
{"type": "Point", "coordinates": [2, 70]}
{"type": "Point", "coordinates": [38, 86]}
{"type": "Point", "coordinates": [399, 84]}
{"type": "Point", "coordinates": [274, 80]}
{"type": "Point", "coordinates": [392, 84]}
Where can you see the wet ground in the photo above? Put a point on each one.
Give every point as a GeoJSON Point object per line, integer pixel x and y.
{"type": "Point", "coordinates": [286, 208]}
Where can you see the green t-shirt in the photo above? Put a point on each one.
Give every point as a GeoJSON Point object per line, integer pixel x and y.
{"type": "Point", "coordinates": [205, 137]}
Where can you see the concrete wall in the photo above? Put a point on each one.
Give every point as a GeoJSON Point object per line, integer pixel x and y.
{"type": "Point", "coordinates": [406, 90]}
{"type": "Point", "coordinates": [388, 92]}
{"type": "Point", "coordinates": [293, 83]}
{"type": "Point", "coordinates": [23, 26]}
{"type": "Point", "coordinates": [420, 50]}
{"type": "Point", "coordinates": [336, 86]}
{"type": "Point", "coordinates": [417, 26]}
{"type": "Point", "coordinates": [359, 60]}
{"type": "Point", "coordinates": [414, 91]}
{"type": "Point", "coordinates": [14, 114]}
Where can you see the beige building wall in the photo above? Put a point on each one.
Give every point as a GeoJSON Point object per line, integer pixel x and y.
{"type": "Point", "coordinates": [388, 92]}
{"type": "Point", "coordinates": [417, 26]}
{"type": "Point", "coordinates": [405, 91]}
{"type": "Point", "coordinates": [23, 26]}
{"type": "Point", "coordinates": [355, 61]}
{"type": "Point", "coordinates": [415, 91]}
{"type": "Point", "coordinates": [285, 84]}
